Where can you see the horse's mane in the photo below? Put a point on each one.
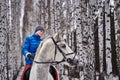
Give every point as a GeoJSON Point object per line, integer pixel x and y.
{"type": "Point", "coordinates": [48, 37]}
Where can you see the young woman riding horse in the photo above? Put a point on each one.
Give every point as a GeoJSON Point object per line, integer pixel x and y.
{"type": "Point", "coordinates": [30, 46]}
{"type": "Point", "coordinates": [52, 50]}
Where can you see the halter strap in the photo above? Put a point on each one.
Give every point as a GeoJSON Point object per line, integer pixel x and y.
{"type": "Point", "coordinates": [55, 53]}
{"type": "Point", "coordinates": [58, 48]}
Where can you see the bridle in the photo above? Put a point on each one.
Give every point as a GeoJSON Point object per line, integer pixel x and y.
{"type": "Point", "coordinates": [56, 48]}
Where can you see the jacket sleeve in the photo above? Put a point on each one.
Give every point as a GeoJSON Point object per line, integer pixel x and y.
{"type": "Point", "coordinates": [25, 47]}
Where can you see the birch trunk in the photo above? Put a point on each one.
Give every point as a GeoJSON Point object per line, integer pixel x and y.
{"type": "Point", "coordinates": [108, 40]}
{"type": "Point", "coordinates": [117, 31]}
{"type": "Point", "coordinates": [113, 46]}
{"type": "Point", "coordinates": [100, 32]}
{"type": "Point", "coordinates": [31, 17]}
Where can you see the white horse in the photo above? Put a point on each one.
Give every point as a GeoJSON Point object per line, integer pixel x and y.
{"type": "Point", "coordinates": [51, 50]}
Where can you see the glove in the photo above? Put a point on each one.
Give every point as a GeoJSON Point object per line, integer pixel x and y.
{"type": "Point", "coordinates": [30, 56]}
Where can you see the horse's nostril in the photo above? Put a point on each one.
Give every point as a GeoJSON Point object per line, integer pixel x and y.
{"type": "Point", "coordinates": [63, 46]}
{"type": "Point", "coordinates": [72, 61]}
{"type": "Point", "coordinates": [77, 61]}
{"type": "Point", "coordinates": [69, 60]}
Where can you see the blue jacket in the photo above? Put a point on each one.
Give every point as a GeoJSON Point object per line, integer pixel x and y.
{"type": "Point", "coordinates": [30, 45]}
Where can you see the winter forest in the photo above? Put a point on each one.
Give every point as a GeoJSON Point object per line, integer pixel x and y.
{"type": "Point", "coordinates": [92, 29]}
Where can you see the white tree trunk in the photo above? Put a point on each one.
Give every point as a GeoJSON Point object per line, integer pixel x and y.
{"type": "Point", "coordinates": [108, 46]}
{"type": "Point", "coordinates": [100, 32]}
{"type": "Point", "coordinates": [117, 31]}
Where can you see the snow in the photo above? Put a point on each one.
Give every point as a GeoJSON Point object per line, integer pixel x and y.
{"type": "Point", "coordinates": [111, 5]}
{"type": "Point", "coordinates": [10, 18]}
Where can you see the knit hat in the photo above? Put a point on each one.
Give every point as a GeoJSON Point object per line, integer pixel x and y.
{"type": "Point", "coordinates": [38, 28]}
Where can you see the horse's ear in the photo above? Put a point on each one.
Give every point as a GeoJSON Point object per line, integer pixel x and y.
{"type": "Point", "coordinates": [57, 36]}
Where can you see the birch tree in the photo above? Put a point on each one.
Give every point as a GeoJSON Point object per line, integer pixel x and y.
{"type": "Point", "coordinates": [100, 32]}
{"type": "Point", "coordinates": [113, 46]}
{"type": "Point", "coordinates": [117, 31]}
{"type": "Point", "coordinates": [32, 16]}
{"type": "Point", "coordinates": [107, 37]}
{"type": "Point", "coordinates": [10, 39]}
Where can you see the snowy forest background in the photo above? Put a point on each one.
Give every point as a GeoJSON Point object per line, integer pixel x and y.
{"type": "Point", "coordinates": [92, 29]}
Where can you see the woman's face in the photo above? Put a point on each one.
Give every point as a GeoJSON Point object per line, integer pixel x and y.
{"type": "Point", "coordinates": [40, 32]}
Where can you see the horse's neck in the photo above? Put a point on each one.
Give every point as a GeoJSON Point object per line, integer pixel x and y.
{"type": "Point", "coordinates": [44, 52]}
{"type": "Point", "coordinates": [41, 71]}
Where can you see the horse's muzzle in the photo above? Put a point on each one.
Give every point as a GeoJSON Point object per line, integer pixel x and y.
{"type": "Point", "coordinates": [72, 61]}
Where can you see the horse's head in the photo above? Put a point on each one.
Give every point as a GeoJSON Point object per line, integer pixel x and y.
{"type": "Point", "coordinates": [63, 51]}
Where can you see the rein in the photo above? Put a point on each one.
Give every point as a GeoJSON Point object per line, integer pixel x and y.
{"type": "Point", "coordinates": [57, 62]}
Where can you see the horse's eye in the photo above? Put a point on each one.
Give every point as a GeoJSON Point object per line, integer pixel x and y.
{"type": "Point", "coordinates": [63, 46]}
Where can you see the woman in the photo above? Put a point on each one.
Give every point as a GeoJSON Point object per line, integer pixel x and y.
{"type": "Point", "coordinates": [30, 46]}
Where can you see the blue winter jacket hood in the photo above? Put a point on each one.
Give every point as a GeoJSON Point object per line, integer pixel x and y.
{"type": "Point", "coordinates": [30, 45]}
